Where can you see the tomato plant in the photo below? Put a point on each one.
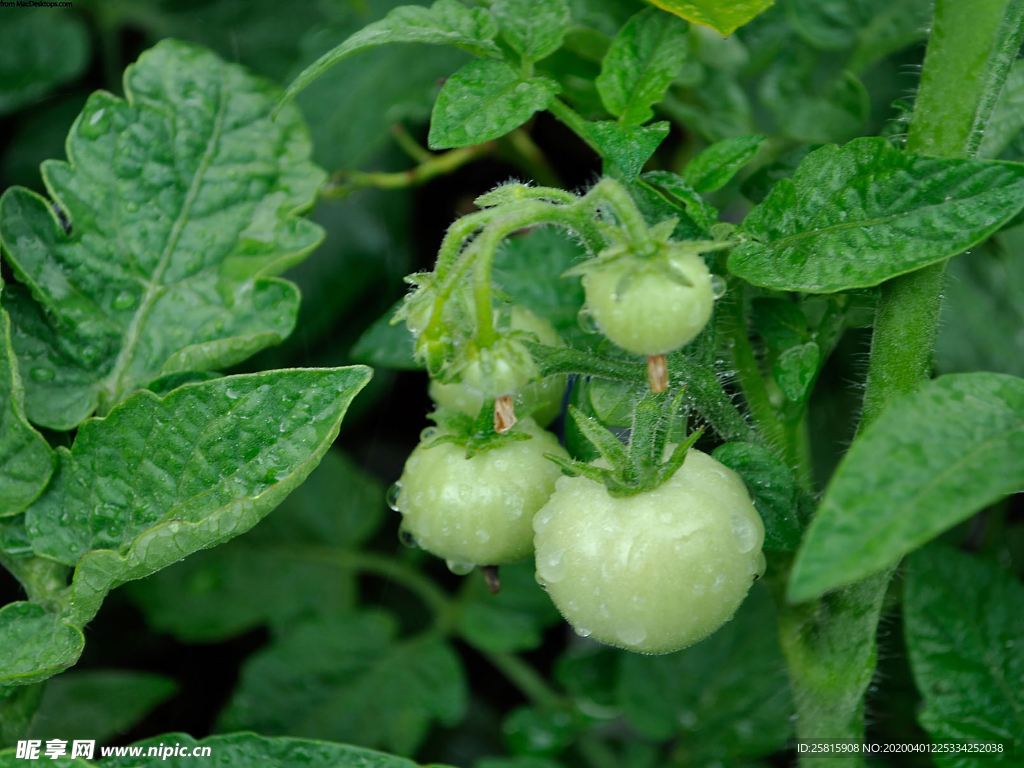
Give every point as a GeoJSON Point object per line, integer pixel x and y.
{"type": "Point", "coordinates": [682, 338]}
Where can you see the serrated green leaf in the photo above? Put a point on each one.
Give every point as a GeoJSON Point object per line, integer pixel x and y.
{"type": "Point", "coordinates": [725, 699]}
{"type": "Point", "coordinates": [170, 258]}
{"type": "Point", "coordinates": [278, 572]}
{"type": "Point", "coordinates": [643, 60]}
{"type": "Point", "coordinates": [703, 213]}
{"type": "Point", "coordinates": [723, 16]}
{"type": "Point", "coordinates": [795, 370]}
{"type": "Point", "coordinates": [350, 679]}
{"type": "Point", "coordinates": [1007, 119]}
{"type": "Point", "coordinates": [159, 479]}
{"type": "Point", "coordinates": [626, 149]}
{"type": "Point", "coordinates": [446, 22]}
{"type": "Point", "coordinates": [964, 627]}
{"type": "Point", "coordinates": [238, 749]}
{"type": "Point", "coordinates": [26, 461]}
{"type": "Point", "coordinates": [40, 49]}
{"type": "Point", "coordinates": [483, 101]}
{"type": "Point", "coordinates": [533, 28]}
{"type": "Point", "coordinates": [715, 167]}
{"type": "Point", "coordinates": [98, 704]}
{"type": "Point", "coordinates": [930, 460]}
{"type": "Point", "coordinates": [857, 215]}
{"type": "Point", "coordinates": [511, 621]}
{"type": "Point", "coordinates": [772, 488]}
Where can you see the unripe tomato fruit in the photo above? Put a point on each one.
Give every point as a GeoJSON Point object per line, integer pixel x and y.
{"type": "Point", "coordinates": [544, 396]}
{"type": "Point", "coordinates": [478, 511]}
{"type": "Point", "coordinates": [655, 572]}
{"type": "Point", "coordinates": [653, 314]}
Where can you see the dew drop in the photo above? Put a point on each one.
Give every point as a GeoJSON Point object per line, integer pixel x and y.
{"type": "Point", "coordinates": [586, 320]}
{"type": "Point", "coordinates": [632, 634]}
{"type": "Point", "coordinates": [392, 496]}
{"type": "Point", "coordinates": [405, 536]}
{"type": "Point", "coordinates": [124, 300]}
{"type": "Point", "coordinates": [551, 566]}
{"type": "Point", "coordinates": [762, 566]}
{"type": "Point", "coordinates": [39, 373]}
{"type": "Point", "coordinates": [717, 287]}
{"type": "Point", "coordinates": [744, 532]}
{"type": "Point", "coordinates": [582, 631]}
{"type": "Point", "coordinates": [460, 567]}
{"type": "Point", "coordinates": [429, 433]}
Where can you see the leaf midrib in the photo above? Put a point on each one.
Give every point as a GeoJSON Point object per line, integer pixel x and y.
{"type": "Point", "coordinates": [112, 390]}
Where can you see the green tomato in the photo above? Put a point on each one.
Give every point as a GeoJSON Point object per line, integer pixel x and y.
{"type": "Point", "coordinates": [653, 314]}
{"type": "Point", "coordinates": [478, 511]}
{"type": "Point", "coordinates": [655, 572]}
{"type": "Point", "coordinates": [544, 396]}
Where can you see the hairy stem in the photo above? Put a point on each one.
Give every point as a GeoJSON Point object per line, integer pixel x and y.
{"type": "Point", "coordinates": [830, 644]}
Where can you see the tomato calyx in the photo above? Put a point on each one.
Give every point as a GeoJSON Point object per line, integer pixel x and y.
{"type": "Point", "coordinates": [642, 465]}
{"type": "Point", "coordinates": [475, 434]}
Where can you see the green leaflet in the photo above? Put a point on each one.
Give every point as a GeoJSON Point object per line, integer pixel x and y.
{"type": "Point", "coordinates": [278, 572]}
{"type": "Point", "coordinates": [703, 213]}
{"type": "Point", "coordinates": [795, 370]}
{"type": "Point", "coordinates": [176, 209]}
{"type": "Point", "coordinates": [857, 215]}
{"type": "Point", "coordinates": [533, 28]}
{"type": "Point", "coordinates": [98, 703]}
{"type": "Point", "coordinates": [511, 621]}
{"type": "Point", "coordinates": [387, 345]}
{"type": "Point", "coordinates": [626, 149]}
{"type": "Point", "coordinates": [26, 460]}
{"type": "Point", "coordinates": [535, 733]}
{"type": "Point", "coordinates": [964, 627]}
{"type": "Point", "coordinates": [159, 479]}
{"type": "Point", "coordinates": [39, 50]}
{"type": "Point", "coordinates": [723, 16]}
{"type": "Point", "coordinates": [772, 489]}
{"type": "Point", "coordinates": [930, 460]}
{"type": "Point", "coordinates": [239, 749]}
{"type": "Point", "coordinates": [1007, 119]}
{"type": "Point", "coordinates": [18, 704]}
{"type": "Point", "coordinates": [483, 101]}
{"type": "Point", "coordinates": [446, 22]}
{"type": "Point", "coordinates": [725, 699]}
{"type": "Point", "coordinates": [643, 60]}
{"type": "Point", "coordinates": [715, 167]}
{"type": "Point", "coordinates": [350, 679]}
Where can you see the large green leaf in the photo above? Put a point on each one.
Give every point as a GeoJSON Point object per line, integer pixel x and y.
{"type": "Point", "coordinates": [446, 22]}
{"type": "Point", "coordinates": [26, 460]}
{"type": "Point", "coordinates": [350, 679]}
{"type": "Point", "coordinates": [857, 215]}
{"type": "Point", "coordinates": [886, 25]}
{"type": "Point", "coordinates": [483, 101]}
{"type": "Point", "coordinates": [964, 624]}
{"type": "Point", "coordinates": [176, 209]}
{"type": "Point", "coordinates": [534, 28]}
{"type": "Point", "coordinates": [235, 749]}
{"type": "Point", "coordinates": [40, 49]}
{"type": "Point", "coordinates": [97, 704]}
{"type": "Point", "coordinates": [161, 478]}
{"type": "Point", "coordinates": [724, 16]}
{"type": "Point", "coordinates": [725, 699]}
{"type": "Point", "coordinates": [643, 60]}
{"type": "Point", "coordinates": [930, 460]}
{"type": "Point", "coordinates": [626, 149]}
{"type": "Point", "coordinates": [278, 572]}
{"type": "Point", "coordinates": [18, 705]}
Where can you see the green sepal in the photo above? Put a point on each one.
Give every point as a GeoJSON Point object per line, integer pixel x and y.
{"type": "Point", "coordinates": [607, 444]}
{"type": "Point", "coordinates": [475, 435]}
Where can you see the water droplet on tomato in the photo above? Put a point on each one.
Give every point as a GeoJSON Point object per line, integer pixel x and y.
{"type": "Point", "coordinates": [392, 496]}
{"type": "Point", "coordinates": [586, 320]}
{"type": "Point", "coordinates": [460, 567]}
{"type": "Point", "coordinates": [718, 287]}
